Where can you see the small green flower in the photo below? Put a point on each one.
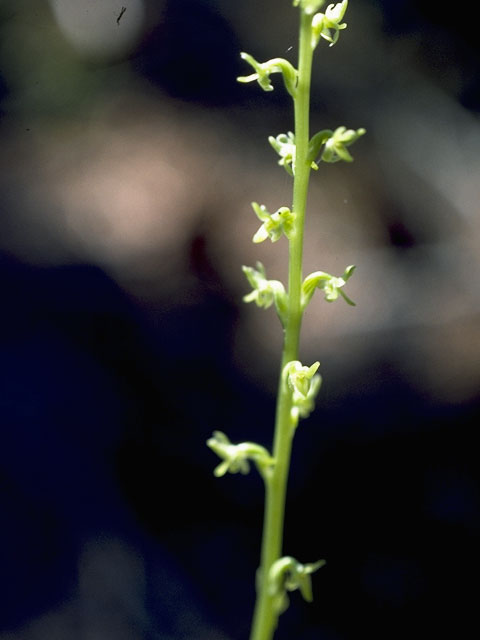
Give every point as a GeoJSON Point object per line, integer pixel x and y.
{"type": "Point", "coordinates": [304, 405]}
{"type": "Point", "coordinates": [284, 145]}
{"type": "Point", "coordinates": [332, 286]}
{"type": "Point", "coordinates": [328, 25]}
{"type": "Point", "coordinates": [299, 377]}
{"type": "Point", "coordinates": [274, 224]}
{"type": "Point", "coordinates": [263, 70]}
{"type": "Point", "coordinates": [287, 574]}
{"type": "Point", "coordinates": [304, 384]}
{"type": "Point", "coordinates": [336, 146]}
{"type": "Point", "coordinates": [265, 292]}
{"type": "Point", "coordinates": [237, 457]}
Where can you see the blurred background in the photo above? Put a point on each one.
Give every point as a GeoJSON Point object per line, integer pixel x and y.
{"type": "Point", "coordinates": [129, 157]}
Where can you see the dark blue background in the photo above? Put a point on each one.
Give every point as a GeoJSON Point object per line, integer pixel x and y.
{"type": "Point", "coordinates": [105, 405]}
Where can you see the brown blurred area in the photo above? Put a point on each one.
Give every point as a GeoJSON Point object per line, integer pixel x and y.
{"type": "Point", "coordinates": [100, 165]}
{"type": "Point", "coordinates": [125, 144]}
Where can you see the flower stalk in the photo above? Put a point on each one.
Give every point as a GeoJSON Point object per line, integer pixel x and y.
{"type": "Point", "coordinates": [265, 615]}
{"type": "Point", "coordinates": [298, 384]}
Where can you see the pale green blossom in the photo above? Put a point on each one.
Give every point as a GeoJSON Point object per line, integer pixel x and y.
{"type": "Point", "coordinates": [284, 145]}
{"type": "Point", "coordinates": [263, 70]}
{"type": "Point", "coordinates": [332, 286]}
{"type": "Point", "coordinates": [328, 25]}
{"type": "Point", "coordinates": [237, 457]}
{"type": "Point", "coordinates": [265, 292]}
{"type": "Point", "coordinates": [274, 224]}
{"type": "Point", "coordinates": [304, 384]}
{"type": "Point", "coordinates": [287, 574]}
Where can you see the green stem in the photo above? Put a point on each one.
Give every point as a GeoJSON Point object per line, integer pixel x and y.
{"type": "Point", "coordinates": [265, 617]}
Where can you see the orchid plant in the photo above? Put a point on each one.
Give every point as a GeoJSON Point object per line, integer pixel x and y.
{"type": "Point", "coordinates": [299, 384]}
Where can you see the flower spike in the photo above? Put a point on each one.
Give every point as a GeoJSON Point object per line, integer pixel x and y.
{"type": "Point", "coordinates": [299, 384]}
